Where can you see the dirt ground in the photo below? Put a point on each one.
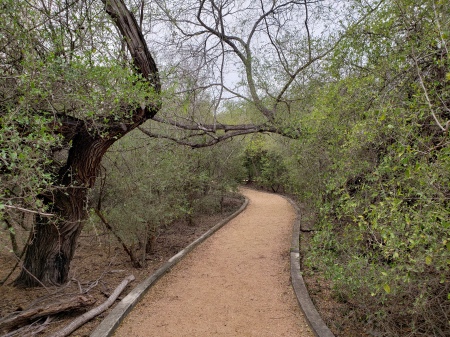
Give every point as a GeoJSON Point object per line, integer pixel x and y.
{"type": "Point", "coordinates": [99, 265]}
{"type": "Point", "coordinates": [237, 283]}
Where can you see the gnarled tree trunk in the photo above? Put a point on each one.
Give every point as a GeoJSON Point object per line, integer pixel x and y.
{"type": "Point", "coordinates": [52, 246]}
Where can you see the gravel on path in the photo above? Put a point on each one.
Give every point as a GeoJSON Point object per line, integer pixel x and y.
{"type": "Point", "coordinates": [236, 283]}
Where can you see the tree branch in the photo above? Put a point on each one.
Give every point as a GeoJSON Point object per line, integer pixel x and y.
{"type": "Point", "coordinates": [29, 211]}
{"type": "Point", "coordinates": [211, 130]}
{"type": "Point", "coordinates": [142, 58]}
{"type": "Point", "coordinates": [196, 145]}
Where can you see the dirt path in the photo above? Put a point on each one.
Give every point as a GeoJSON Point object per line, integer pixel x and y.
{"type": "Point", "coordinates": [234, 284]}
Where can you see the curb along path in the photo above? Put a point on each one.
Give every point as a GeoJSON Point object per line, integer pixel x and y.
{"type": "Point", "coordinates": [234, 284]}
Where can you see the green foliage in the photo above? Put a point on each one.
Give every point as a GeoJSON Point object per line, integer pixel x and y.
{"type": "Point", "coordinates": [381, 171]}
{"type": "Point", "coordinates": [264, 166]}
{"type": "Point", "coordinates": [26, 142]}
{"type": "Point", "coordinates": [372, 163]}
{"type": "Point", "coordinates": [149, 184]}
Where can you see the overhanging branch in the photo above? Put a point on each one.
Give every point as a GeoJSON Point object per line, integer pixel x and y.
{"type": "Point", "coordinates": [196, 145]}
{"type": "Point", "coordinates": [211, 134]}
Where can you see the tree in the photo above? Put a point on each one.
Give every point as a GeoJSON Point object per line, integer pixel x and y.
{"type": "Point", "coordinates": [264, 166]}
{"type": "Point", "coordinates": [252, 52]}
{"type": "Point", "coordinates": [85, 135]}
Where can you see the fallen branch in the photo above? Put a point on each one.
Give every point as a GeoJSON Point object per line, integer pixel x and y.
{"type": "Point", "coordinates": [31, 330]}
{"type": "Point", "coordinates": [94, 312]}
{"type": "Point", "coordinates": [24, 317]}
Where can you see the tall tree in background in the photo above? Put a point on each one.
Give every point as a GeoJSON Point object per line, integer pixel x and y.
{"type": "Point", "coordinates": [249, 51]}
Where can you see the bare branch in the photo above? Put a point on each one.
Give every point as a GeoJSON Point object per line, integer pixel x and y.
{"type": "Point", "coordinates": [86, 317]}
{"type": "Point", "coordinates": [308, 34]}
{"type": "Point", "coordinates": [29, 211]}
{"type": "Point", "coordinates": [213, 127]}
{"type": "Point", "coordinates": [212, 131]}
{"type": "Point", "coordinates": [322, 55]}
{"type": "Point", "coordinates": [445, 128]}
{"type": "Point", "coordinates": [196, 145]}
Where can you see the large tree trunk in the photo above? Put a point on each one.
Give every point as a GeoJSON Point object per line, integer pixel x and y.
{"type": "Point", "coordinates": [52, 246]}
{"type": "Point", "coordinates": [53, 240]}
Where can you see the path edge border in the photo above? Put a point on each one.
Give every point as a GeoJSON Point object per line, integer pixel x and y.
{"type": "Point", "coordinates": [315, 321]}
{"type": "Point", "coordinates": [112, 321]}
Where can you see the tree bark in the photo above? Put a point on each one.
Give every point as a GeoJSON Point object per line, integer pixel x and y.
{"type": "Point", "coordinates": [53, 241]}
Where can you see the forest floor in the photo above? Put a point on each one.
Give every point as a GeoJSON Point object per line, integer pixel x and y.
{"type": "Point", "coordinates": [99, 265]}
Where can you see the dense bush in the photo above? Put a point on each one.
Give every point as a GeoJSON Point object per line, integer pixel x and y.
{"type": "Point", "coordinates": [264, 166]}
{"type": "Point", "coordinates": [150, 183]}
{"type": "Point", "coordinates": [378, 138]}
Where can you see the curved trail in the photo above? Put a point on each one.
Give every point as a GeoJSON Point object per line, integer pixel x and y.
{"type": "Point", "coordinates": [236, 283]}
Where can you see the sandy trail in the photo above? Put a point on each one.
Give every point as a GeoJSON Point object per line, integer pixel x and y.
{"type": "Point", "coordinates": [236, 283]}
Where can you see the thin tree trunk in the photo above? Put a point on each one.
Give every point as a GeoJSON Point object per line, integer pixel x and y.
{"type": "Point", "coordinates": [12, 236]}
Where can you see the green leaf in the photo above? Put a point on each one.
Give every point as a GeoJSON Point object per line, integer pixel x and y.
{"type": "Point", "coordinates": [428, 260]}
{"type": "Point", "coordinates": [387, 289]}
